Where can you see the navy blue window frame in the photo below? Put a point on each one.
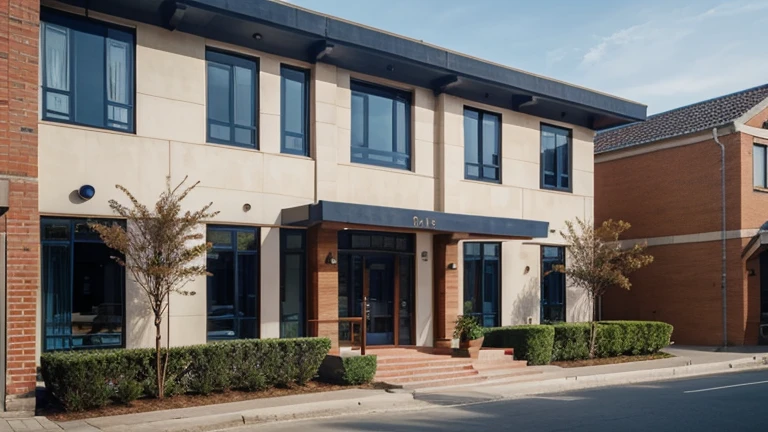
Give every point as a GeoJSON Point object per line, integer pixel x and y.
{"type": "Point", "coordinates": [107, 31]}
{"type": "Point", "coordinates": [560, 172]}
{"type": "Point", "coordinates": [360, 88]}
{"type": "Point", "coordinates": [481, 166]}
{"type": "Point", "coordinates": [553, 289]}
{"type": "Point", "coordinates": [68, 241]}
{"type": "Point", "coordinates": [238, 308]}
{"type": "Point", "coordinates": [225, 58]}
{"type": "Point", "coordinates": [287, 250]}
{"type": "Point", "coordinates": [475, 290]}
{"type": "Point", "coordinates": [285, 74]}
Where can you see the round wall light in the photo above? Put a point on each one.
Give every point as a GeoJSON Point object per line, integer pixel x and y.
{"type": "Point", "coordinates": [246, 207]}
{"type": "Point", "coordinates": [86, 192]}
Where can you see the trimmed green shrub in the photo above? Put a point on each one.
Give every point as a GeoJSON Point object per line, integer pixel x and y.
{"type": "Point", "coordinates": [92, 379]}
{"type": "Point", "coordinates": [359, 370]}
{"type": "Point", "coordinates": [616, 338]}
{"type": "Point", "coordinates": [531, 342]}
{"type": "Point", "coordinates": [571, 342]}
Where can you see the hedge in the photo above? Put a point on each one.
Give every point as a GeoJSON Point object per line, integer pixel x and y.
{"type": "Point", "coordinates": [570, 341]}
{"type": "Point", "coordinates": [92, 379]}
{"type": "Point", "coordinates": [531, 342]}
{"type": "Point", "coordinates": [353, 370]}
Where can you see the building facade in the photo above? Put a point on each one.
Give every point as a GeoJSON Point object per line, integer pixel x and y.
{"type": "Point", "coordinates": [354, 171]}
{"type": "Point", "coordinates": [663, 176]}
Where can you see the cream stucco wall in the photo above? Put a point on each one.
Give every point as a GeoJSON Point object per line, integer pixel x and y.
{"type": "Point", "coordinates": [170, 142]}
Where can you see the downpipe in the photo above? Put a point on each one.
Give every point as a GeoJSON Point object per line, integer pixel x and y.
{"type": "Point", "coordinates": [723, 234]}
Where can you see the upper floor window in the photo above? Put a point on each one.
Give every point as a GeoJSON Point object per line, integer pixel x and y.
{"type": "Point", "coordinates": [87, 72]}
{"type": "Point", "coordinates": [232, 84]}
{"type": "Point", "coordinates": [759, 171]}
{"type": "Point", "coordinates": [294, 110]}
{"type": "Point", "coordinates": [482, 132]}
{"type": "Point", "coordinates": [381, 126]}
{"type": "Point", "coordinates": [555, 158]}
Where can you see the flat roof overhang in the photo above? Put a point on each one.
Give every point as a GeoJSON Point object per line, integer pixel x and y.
{"type": "Point", "coordinates": [356, 215]}
{"type": "Point", "coordinates": [301, 34]}
{"type": "Point", "coordinates": [757, 245]}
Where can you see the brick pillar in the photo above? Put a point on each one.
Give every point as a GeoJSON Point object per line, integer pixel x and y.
{"type": "Point", "coordinates": [19, 41]}
{"type": "Point", "coordinates": [324, 283]}
{"type": "Point", "coordinates": [446, 290]}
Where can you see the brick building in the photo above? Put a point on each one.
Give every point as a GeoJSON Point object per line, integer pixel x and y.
{"type": "Point", "coordinates": [360, 176]}
{"type": "Point", "coordinates": [663, 176]}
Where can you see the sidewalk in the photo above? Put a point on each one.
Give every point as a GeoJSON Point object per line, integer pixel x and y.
{"type": "Point", "coordinates": [689, 361]}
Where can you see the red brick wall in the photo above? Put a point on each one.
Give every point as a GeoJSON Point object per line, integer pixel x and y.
{"type": "Point", "coordinates": [757, 120]}
{"type": "Point", "coordinates": [671, 192]}
{"type": "Point", "coordinates": [19, 39]}
{"type": "Point", "coordinates": [324, 282]}
{"type": "Point", "coordinates": [754, 203]}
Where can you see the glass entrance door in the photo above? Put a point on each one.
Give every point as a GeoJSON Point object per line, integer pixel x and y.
{"type": "Point", "coordinates": [379, 292]}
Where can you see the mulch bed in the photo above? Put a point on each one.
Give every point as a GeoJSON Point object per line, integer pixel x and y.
{"type": "Point", "coordinates": [55, 412]}
{"type": "Point", "coordinates": [610, 360]}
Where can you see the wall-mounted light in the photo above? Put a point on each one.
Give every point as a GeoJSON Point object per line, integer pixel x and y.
{"type": "Point", "coordinates": [452, 266]}
{"type": "Point", "coordinates": [751, 272]}
{"type": "Point", "coordinates": [86, 192]}
{"type": "Point", "coordinates": [246, 207]}
{"type": "Point", "coordinates": [424, 256]}
{"type": "Point", "coordinates": [329, 259]}
{"type": "Point", "coordinates": [526, 270]}
{"type": "Point", "coordinates": [257, 36]}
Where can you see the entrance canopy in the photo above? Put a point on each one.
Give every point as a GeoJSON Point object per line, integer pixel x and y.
{"type": "Point", "coordinates": [422, 220]}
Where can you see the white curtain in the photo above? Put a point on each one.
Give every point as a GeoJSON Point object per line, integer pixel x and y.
{"type": "Point", "coordinates": [56, 58]}
{"type": "Point", "coordinates": [117, 79]}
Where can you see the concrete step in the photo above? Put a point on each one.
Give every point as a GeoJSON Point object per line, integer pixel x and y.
{"type": "Point", "coordinates": [437, 382]}
{"type": "Point", "coordinates": [397, 372]}
{"type": "Point", "coordinates": [445, 376]}
{"type": "Point", "coordinates": [417, 363]}
{"type": "Point", "coordinates": [502, 364]}
{"type": "Point", "coordinates": [412, 358]}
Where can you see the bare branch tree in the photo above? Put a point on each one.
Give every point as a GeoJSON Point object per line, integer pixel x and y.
{"type": "Point", "coordinates": [598, 262]}
{"type": "Point", "coordinates": [162, 251]}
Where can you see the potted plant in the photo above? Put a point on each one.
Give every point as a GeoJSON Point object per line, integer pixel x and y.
{"type": "Point", "coordinates": [469, 333]}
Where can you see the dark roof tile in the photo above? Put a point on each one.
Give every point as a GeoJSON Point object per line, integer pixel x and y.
{"type": "Point", "coordinates": [681, 121]}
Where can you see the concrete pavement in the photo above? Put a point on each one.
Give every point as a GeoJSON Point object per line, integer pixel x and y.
{"type": "Point", "coordinates": [728, 402]}
{"type": "Point", "coordinates": [690, 361]}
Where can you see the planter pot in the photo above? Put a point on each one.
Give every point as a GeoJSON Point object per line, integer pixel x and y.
{"type": "Point", "coordinates": [471, 347]}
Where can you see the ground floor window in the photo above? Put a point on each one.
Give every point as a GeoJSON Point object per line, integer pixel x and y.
{"type": "Point", "coordinates": [552, 285]}
{"type": "Point", "coordinates": [293, 276]}
{"type": "Point", "coordinates": [482, 282]}
{"type": "Point", "coordinates": [83, 288]}
{"type": "Point", "coordinates": [233, 286]}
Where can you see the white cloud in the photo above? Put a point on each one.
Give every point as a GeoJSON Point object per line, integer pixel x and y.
{"type": "Point", "coordinates": [621, 37]}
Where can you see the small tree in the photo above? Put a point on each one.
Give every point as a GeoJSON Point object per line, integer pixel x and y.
{"type": "Point", "coordinates": [162, 250]}
{"type": "Point", "coordinates": [598, 262]}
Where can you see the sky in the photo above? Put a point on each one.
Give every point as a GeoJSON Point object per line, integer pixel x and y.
{"type": "Point", "coordinates": [664, 54]}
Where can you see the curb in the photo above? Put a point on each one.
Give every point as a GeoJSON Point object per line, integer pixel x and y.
{"type": "Point", "coordinates": [381, 402]}
{"type": "Point", "coordinates": [576, 382]}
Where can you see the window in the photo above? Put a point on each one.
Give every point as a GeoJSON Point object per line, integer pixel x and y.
{"type": "Point", "coordinates": [294, 110]}
{"type": "Point", "coordinates": [552, 285]}
{"type": "Point", "coordinates": [233, 301]}
{"type": "Point", "coordinates": [231, 99]}
{"type": "Point", "coordinates": [87, 72]}
{"type": "Point", "coordinates": [555, 158]}
{"type": "Point", "coordinates": [482, 282]}
{"type": "Point", "coordinates": [759, 171]}
{"type": "Point", "coordinates": [293, 276]}
{"type": "Point", "coordinates": [83, 287]}
{"type": "Point", "coordinates": [482, 132]}
{"type": "Point", "coordinates": [381, 126]}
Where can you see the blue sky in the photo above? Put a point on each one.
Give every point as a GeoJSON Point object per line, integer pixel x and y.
{"type": "Point", "coordinates": [662, 53]}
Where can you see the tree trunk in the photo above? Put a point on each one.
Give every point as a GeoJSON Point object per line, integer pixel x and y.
{"type": "Point", "coordinates": [593, 328]}
{"type": "Point", "coordinates": [158, 362]}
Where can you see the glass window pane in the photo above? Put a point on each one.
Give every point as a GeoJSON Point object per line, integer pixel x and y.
{"type": "Point", "coordinates": [759, 165]}
{"type": "Point", "coordinates": [247, 280]}
{"type": "Point", "coordinates": [56, 58]}
{"type": "Point", "coordinates": [54, 229]}
{"type": "Point", "coordinates": [244, 96]}
{"type": "Point", "coordinates": [57, 105]}
{"type": "Point", "coordinates": [244, 136]}
{"type": "Point", "coordinates": [292, 299]}
{"type": "Point", "coordinates": [548, 149]}
{"type": "Point", "coordinates": [380, 123]}
{"type": "Point", "coordinates": [293, 101]}
{"type": "Point", "coordinates": [358, 120]}
{"type": "Point", "coordinates": [219, 238]}
{"type": "Point", "coordinates": [89, 82]}
{"type": "Point", "coordinates": [220, 132]}
{"type": "Point", "coordinates": [118, 75]}
{"type": "Point", "coordinates": [218, 92]}
{"type": "Point", "coordinates": [562, 159]}
{"type": "Point", "coordinates": [246, 241]}
{"type": "Point", "coordinates": [473, 171]}
{"type": "Point", "coordinates": [402, 129]}
{"type": "Point", "coordinates": [56, 288]}
{"type": "Point", "coordinates": [490, 139]}
{"type": "Point", "coordinates": [471, 134]}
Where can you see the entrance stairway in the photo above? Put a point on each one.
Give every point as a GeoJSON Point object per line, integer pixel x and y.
{"type": "Point", "coordinates": [416, 368]}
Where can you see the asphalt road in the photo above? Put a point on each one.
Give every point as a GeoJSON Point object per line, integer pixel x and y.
{"type": "Point", "coordinates": [728, 402]}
